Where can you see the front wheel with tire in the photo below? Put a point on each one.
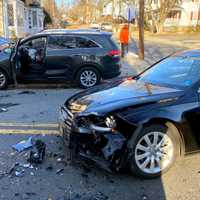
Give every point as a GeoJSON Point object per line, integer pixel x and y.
{"type": "Point", "coordinates": [154, 151]}
{"type": "Point", "coordinates": [3, 80]}
{"type": "Point", "coordinates": [88, 77]}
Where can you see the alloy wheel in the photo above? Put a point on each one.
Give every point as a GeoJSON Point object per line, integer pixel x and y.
{"type": "Point", "coordinates": [88, 78]}
{"type": "Point", "coordinates": [154, 152]}
{"type": "Point", "coordinates": [2, 79]}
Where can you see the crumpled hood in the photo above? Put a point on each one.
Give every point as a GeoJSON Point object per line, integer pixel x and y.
{"type": "Point", "coordinates": [130, 92]}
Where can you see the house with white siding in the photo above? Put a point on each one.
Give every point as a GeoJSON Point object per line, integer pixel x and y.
{"type": "Point", "coordinates": [185, 15]}
{"type": "Point", "coordinates": [119, 8]}
{"type": "Point", "coordinates": [20, 18]}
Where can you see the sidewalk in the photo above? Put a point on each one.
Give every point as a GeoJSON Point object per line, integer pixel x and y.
{"type": "Point", "coordinates": [156, 48]}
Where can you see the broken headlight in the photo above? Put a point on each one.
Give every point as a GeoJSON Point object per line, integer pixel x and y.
{"type": "Point", "coordinates": [75, 107]}
{"type": "Point", "coordinates": [110, 122]}
{"type": "Point", "coordinates": [97, 123]}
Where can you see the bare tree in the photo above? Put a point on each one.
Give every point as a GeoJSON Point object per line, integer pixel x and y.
{"type": "Point", "coordinates": [83, 11]}
{"type": "Point", "coordinates": [50, 10]}
{"type": "Point", "coordinates": [158, 11]}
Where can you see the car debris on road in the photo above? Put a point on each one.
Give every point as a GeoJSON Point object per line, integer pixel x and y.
{"type": "Point", "coordinates": [22, 145]}
{"type": "Point", "coordinates": [37, 155]}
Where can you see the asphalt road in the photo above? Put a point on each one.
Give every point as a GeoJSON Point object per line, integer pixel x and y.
{"type": "Point", "coordinates": [35, 112]}
{"type": "Point", "coordinates": [33, 105]}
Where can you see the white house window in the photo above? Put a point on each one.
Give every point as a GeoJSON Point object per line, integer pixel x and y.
{"type": "Point", "coordinates": [20, 17]}
{"type": "Point", "coordinates": [34, 13]}
{"type": "Point", "coordinates": [10, 15]}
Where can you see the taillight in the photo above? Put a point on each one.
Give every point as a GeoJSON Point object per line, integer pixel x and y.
{"type": "Point", "coordinates": [129, 78]}
{"type": "Point", "coordinates": [114, 53]}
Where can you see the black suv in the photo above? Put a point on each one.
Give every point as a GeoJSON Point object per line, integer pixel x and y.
{"type": "Point", "coordinates": [84, 56]}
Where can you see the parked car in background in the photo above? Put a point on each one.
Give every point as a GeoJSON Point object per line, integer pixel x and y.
{"type": "Point", "coordinates": [106, 27]}
{"type": "Point", "coordinates": [145, 122]}
{"type": "Point", "coordinates": [64, 24]}
{"type": "Point", "coordinates": [83, 56]}
{"type": "Point", "coordinates": [95, 26]}
{"type": "Point", "coordinates": [3, 41]}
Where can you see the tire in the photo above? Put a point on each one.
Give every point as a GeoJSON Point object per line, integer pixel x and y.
{"type": "Point", "coordinates": [92, 73]}
{"type": "Point", "coordinates": [3, 80]}
{"type": "Point", "coordinates": [144, 162]}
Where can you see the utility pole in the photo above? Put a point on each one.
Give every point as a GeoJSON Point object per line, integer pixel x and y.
{"type": "Point", "coordinates": [141, 29]}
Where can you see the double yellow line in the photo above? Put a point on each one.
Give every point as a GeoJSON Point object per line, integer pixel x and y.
{"type": "Point", "coordinates": [33, 128]}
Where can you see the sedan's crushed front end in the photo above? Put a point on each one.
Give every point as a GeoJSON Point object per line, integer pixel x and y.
{"type": "Point", "coordinates": [101, 138]}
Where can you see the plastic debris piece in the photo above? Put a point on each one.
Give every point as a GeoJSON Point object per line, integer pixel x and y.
{"type": "Point", "coordinates": [4, 109]}
{"type": "Point", "coordinates": [19, 173]}
{"type": "Point", "coordinates": [32, 174]}
{"type": "Point", "coordinates": [24, 144]}
{"type": "Point", "coordinates": [27, 165]}
{"type": "Point", "coordinates": [38, 154]}
{"type": "Point", "coordinates": [59, 171]}
{"type": "Point", "coordinates": [13, 168]}
{"type": "Point", "coordinates": [12, 153]}
{"type": "Point", "coordinates": [144, 197]}
{"type": "Point", "coordinates": [59, 160]}
{"type": "Point", "coordinates": [49, 168]}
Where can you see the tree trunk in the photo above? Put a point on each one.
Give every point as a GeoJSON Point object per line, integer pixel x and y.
{"type": "Point", "coordinates": [154, 22]}
{"type": "Point", "coordinates": [160, 25]}
{"type": "Point", "coordinates": [160, 28]}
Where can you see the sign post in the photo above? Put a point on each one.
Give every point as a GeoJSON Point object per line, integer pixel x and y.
{"type": "Point", "coordinates": [130, 17]}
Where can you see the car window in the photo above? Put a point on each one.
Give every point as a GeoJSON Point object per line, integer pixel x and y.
{"type": "Point", "coordinates": [85, 43]}
{"type": "Point", "coordinates": [177, 71]}
{"type": "Point", "coordinates": [35, 43]}
{"type": "Point", "coordinates": [61, 42]}
{"type": "Point", "coordinates": [33, 49]}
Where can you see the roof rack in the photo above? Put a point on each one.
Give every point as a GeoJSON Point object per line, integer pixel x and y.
{"type": "Point", "coordinates": [86, 31]}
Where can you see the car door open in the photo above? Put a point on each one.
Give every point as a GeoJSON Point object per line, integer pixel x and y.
{"type": "Point", "coordinates": [31, 58]}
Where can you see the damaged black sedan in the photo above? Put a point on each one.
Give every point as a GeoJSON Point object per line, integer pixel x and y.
{"type": "Point", "coordinates": [146, 122]}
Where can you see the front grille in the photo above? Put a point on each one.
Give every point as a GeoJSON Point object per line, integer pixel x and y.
{"type": "Point", "coordinates": [68, 119]}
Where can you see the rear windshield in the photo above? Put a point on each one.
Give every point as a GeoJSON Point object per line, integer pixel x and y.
{"type": "Point", "coordinates": [106, 41]}
{"type": "Point", "coordinates": [114, 41]}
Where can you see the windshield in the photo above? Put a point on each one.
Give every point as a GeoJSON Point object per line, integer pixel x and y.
{"type": "Point", "coordinates": [173, 71]}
